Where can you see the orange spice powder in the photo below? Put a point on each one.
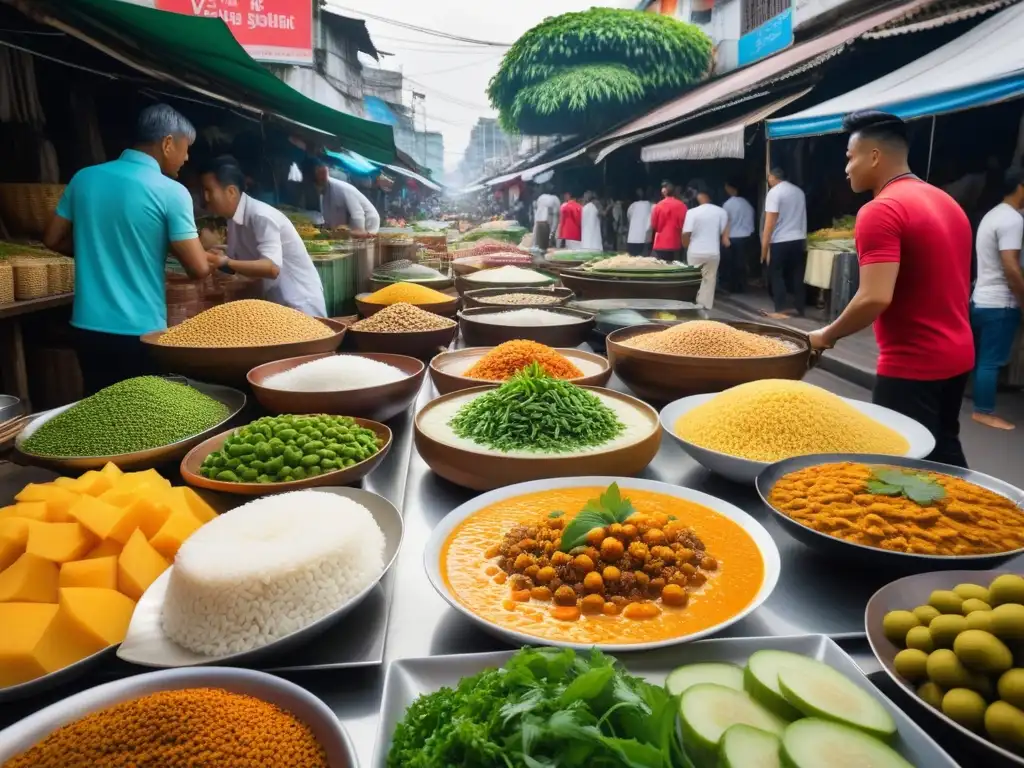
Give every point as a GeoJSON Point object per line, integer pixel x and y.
{"type": "Point", "coordinates": [507, 359]}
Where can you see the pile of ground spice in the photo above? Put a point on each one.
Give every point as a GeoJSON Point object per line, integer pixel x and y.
{"type": "Point", "coordinates": [708, 338]}
{"type": "Point", "coordinates": [410, 293]}
{"type": "Point", "coordinates": [179, 729]}
{"type": "Point", "coordinates": [507, 359]}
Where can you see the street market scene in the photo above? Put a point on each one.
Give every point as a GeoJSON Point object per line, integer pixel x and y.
{"type": "Point", "coordinates": [626, 384]}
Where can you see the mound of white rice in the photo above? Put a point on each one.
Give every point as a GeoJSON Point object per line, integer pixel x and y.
{"type": "Point", "coordinates": [269, 568]}
{"type": "Point", "coordinates": [335, 374]}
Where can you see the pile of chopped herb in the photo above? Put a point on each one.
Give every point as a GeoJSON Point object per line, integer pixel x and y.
{"type": "Point", "coordinates": [546, 707]}
{"type": "Point", "coordinates": [535, 412]}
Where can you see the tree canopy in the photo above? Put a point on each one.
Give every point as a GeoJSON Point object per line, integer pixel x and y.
{"type": "Point", "coordinates": [576, 71]}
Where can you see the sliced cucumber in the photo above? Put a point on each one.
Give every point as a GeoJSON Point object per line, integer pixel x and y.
{"type": "Point", "coordinates": [761, 680]}
{"type": "Point", "coordinates": [813, 743]}
{"type": "Point", "coordinates": [746, 747]}
{"type": "Point", "coordinates": [817, 690]}
{"type": "Point", "coordinates": [682, 678]}
{"type": "Point", "coordinates": [706, 711]}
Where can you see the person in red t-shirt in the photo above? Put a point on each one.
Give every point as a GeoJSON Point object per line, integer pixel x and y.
{"type": "Point", "coordinates": [914, 247]}
{"type": "Point", "coordinates": [667, 224]}
{"type": "Point", "coordinates": [570, 222]}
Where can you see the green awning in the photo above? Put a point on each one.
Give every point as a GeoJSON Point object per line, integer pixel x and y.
{"type": "Point", "coordinates": [202, 54]}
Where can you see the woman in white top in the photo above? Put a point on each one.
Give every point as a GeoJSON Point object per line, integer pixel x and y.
{"type": "Point", "coordinates": [705, 231]}
{"type": "Point", "coordinates": [998, 296]}
{"type": "Point", "coordinates": [591, 224]}
{"type": "Point", "coordinates": [639, 217]}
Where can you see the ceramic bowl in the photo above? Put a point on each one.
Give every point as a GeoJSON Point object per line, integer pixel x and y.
{"type": "Point", "coordinates": [474, 299]}
{"type": "Point", "coordinates": [477, 333]}
{"type": "Point", "coordinates": [447, 369]}
{"type": "Point", "coordinates": [422, 345]}
{"type": "Point", "coordinates": [464, 283]}
{"type": "Point", "coordinates": [587, 287]}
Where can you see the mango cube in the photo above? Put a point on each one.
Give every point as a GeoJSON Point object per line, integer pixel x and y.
{"type": "Point", "coordinates": [58, 500]}
{"type": "Point", "coordinates": [34, 510]}
{"type": "Point", "coordinates": [21, 656]}
{"type": "Point", "coordinates": [89, 620]}
{"type": "Point", "coordinates": [9, 552]}
{"type": "Point", "coordinates": [112, 471]}
{"type": "Point", "coordinates": [29, 579]}
{"type": "Point", "coordinates": [138, 566]}
{"type": "Point", "coordinates": [15, 529]}
{"type": "Point", "coordinates": [71, 483]}
{"type": "Point", "coordinates": [59, 542]}
{"type": "Point", "coordinates": [96, 515]}
{"type": "Point", "coordinates": [100, 572]}
{"type": "Point", "coordinates": [172, 534]}
{"type": "Point", "coordinates": [145, 513]}
{"type": "Point", "coordinates": [93, 483]}
{"type": "Point", "coordinates": [105, 548]}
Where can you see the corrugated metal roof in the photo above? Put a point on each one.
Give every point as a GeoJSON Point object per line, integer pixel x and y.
{"type": "Point", "coordinates": [938, 15]}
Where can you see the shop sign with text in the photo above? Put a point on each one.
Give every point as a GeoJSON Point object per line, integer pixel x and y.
{"type": "Point", "coordinates": [771, 37]}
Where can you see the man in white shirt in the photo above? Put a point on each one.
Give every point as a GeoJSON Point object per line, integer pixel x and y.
{"type": "Point", "coordinates": [639, 217]}
{"type": "Point", "coordinates": [545, 219]}
{"type": "Point", "coordinates": [998, 296]}
{"type": "Point", "coordinates": [784, 242]}
{"type": "Point", "coordinates": [741, 256]}
{"type": "Point", "coordinates": [705, 231]}
{"type": "Point", "coordinates": [591, 223]}
{"type": "Point", "coordinates": [262, 242]}
{"type": "Point", "coordinates": [342, 204]}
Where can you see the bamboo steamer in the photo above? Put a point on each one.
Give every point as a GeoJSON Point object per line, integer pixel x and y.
{"type": "Point", "coordinates": [31, 279]}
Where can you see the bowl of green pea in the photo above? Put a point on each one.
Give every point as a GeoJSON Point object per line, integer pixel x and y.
{"type": "Point", "coordinates": [287, 453]}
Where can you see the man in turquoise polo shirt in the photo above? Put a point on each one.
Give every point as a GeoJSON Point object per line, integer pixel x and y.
{"type": "Point", "coordinates": [118, 220]}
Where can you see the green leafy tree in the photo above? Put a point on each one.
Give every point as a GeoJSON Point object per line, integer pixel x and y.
{"type": "Point", "coordinates": [577, 71]}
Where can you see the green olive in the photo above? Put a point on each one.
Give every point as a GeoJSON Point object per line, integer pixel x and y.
{"type": "Point", "coordinates": [1005, 724]}
{"type": "Point", "coordinates": [946, 600]}
{"type": "Point", "coordinates": [932, 694]}
{"type": "Point", "coordinates": [911, 664]}
{"type": "Point", "coordinates": [920, 639]}
{"type": "Point", "coordinates": [1008, 621]}
{"type": "Point", "coordinates": [896, 625]}
{"type": "Point", "coordinates": [982, 652]}
{"type": "Point", "coordinates": [1011, 687]}
{"type": "Point", "coordinates": [972, 604]}
{"type": "Point", "coordinates": [965, 707]}
{"type": "Point", "coordinates": [1008, 588]}
{"type": "Point", "coordinates": [968, 591]}
{"type": "Point", "coordinates": [945, 628]}
{"type": "Point", "coordinates": [925, 614]}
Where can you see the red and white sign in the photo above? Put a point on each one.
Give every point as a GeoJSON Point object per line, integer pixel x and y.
{"type": "Point", "coordinates": [269, 30]}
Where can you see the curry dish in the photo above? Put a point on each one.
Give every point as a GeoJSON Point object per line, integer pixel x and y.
{"type": "Point", "coordinates": [669, 569]}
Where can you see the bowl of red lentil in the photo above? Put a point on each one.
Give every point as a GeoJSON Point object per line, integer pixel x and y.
{"type": "Point", "coordinates": [477, 366]}
{"type": "Point", "coordinates": [178, 717]}
{"type": "Point", "coordinates": [825, 502]}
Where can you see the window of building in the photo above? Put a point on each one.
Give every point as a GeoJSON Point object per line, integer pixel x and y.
{"type": "Point", "coordinates": [757, 12]}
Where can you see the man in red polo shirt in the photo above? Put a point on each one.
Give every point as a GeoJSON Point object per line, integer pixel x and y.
{"type": "Point", "coordinates": [667, 224]}
{"type": "Point", "coordinates": [914, 247]}
{"type": "Point", "coordinates": [570, 222]}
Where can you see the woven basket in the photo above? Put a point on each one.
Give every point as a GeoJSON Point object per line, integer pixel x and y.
{"type": "Point", "coordinates": [31, 279]}
{"type": "Point", "coordinates": [27, 208]}
{"type": "Point", "coordinates": [6, 283]}
{"type": "Point", "coordinates": [67, 276]}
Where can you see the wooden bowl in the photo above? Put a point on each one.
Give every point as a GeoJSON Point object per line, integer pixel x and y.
{"type": "Point", "coordinates": [378, 403]}
{"type": "Point", "coordinates": [438, 283]}
{"type": "Point", "coordinates": [191, 463]}
{"type": "Point", "coordinates": [478, 334]}
{"type": "Point", "coordinates": [472, 299]}
{"type": "Point", "coordinates": [443, 308]}
{"type": "Point", "coordinates": [446, 369]}
{"type": "Point", "coordinates": [463, 284]}
{"type": "Point", "coordinates": [661, 378]}
{"type": "Point", "coordinates": [229, 365]}
{"type": "Point", "coordinates": [621, 288]}
{"type": "Point", "coordinates": [422, 345]}
{"type": "Point", "coordinates": [482, 470]}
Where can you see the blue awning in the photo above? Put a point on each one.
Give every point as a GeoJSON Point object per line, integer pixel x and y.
{"type": "Point", "coordinates": [353, 163]}
{"type": "Point", "coordinates": [983, 66]}
{"type": "Point", "coordinates": [378, 111]}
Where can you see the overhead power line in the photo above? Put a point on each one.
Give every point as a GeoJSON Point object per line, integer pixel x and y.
{"type": "Point", "coordinates": [439, 44]}
{"type": "Point", "coordinates": [421, 30]}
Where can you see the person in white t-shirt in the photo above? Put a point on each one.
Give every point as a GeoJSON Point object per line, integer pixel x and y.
{"type": "Point", "coordinates": [545, 219]}
{"type": "Point", "coordinates": [784, 242]}
{"type": "Point", "coordinates": [705, 231]}
{"type": "Point", "coordinates": [639, 217]}
{"type": "Point", "coordinates": [741, 258]}
{"type": "Point", "coordinates": [998, 296]}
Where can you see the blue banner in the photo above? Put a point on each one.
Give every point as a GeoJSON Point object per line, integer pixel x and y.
{"type": "Point", "coordinates": [771, 37]}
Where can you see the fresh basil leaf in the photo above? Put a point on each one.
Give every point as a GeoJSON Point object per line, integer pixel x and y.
{"type": "Point", "coordinates": [923, 491]}
{"type": "Point", "coordinates": [575, 533]}
{"type": "Point", "coordinates": [891, 476]}
{"type": "Point", "coordinates": [619, 507]}
{"type": "Point", "coordinates": [880, 488]}
{"type": "Point", "coordinates": [556, 514]}
{"type": "Point", "coordinates": [588, 686]}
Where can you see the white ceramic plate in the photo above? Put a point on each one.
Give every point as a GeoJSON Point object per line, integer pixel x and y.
{"type": "Point", "coordinates": [746, 471]}
{"type": "Point", "coordinates": [408, 679]}
{"type": "Point", "coordinates": [906, 594]}
{"type": "Point", "coordinates": [763, 541]}
{"type": "Point", "coordinates": [306, 707]}
{"type": "Point", "coordinates": [148, 646]}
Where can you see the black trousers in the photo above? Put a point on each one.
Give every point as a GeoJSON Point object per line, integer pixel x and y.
{"type": "Point", "coordinates": [636, 249]}
{"type": "Point", "coordinates": [935, 404]}
{"type": "Point", "coordinates": [786, 272]}
{"type": "Point", "coordinates": [107, 358]}
{"type": "Point", "coordinates": [735, 261]}
{"type": "Point", "coordinates": [667, 255]}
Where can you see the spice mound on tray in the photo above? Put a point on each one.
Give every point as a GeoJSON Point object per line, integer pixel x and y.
{"type": "Point", "coordinates": [278, 449]}
{"type": "Point", "coordinates": [537, 413]}
{"type": "Point", "coordinates": [507, 359]}
{"type": "Point", "coordinates": [513, 299]}
{"type": "Point", "coordinates": [245, 323]}
{"type": "Point", "coordinates": [335, 374]}
{"type": "Point", "coordinates": [403, 318]}
{"type": "Point", "coordinates": [776, 419]}
{"type": "Point", "coordinates": [410, 293]}
{"type": "Point", "coordinates": [900, 510]}
{"type": "Point", "coordinates": [269, 568]}
{"type": "Point", "coordinates": [179, 729]}
{"type": "Point", "coordinates": [708, 338]}
{"type": "Point", "coordinates": [132, 415]}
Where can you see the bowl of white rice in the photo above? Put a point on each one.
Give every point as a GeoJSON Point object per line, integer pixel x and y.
{"type": "Point", "coordinates": [265, 578]}
{"type": "Point", "coordinates": [507, 276]}
{"type": "Point", "coordinates": [366, 385]}
{"type": "Point", "coordinates": [554, 326]}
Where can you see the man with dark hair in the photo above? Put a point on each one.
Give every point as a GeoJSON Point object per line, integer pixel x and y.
{"type": "Point", "coordinates": [262, 241]}
{"type": "Point", "coordinates": [344, 205]}
{"type": "Point", "coordinates": [998, 295]}
{"type": "Point", "coordinates": [784, 242]}
{"type": "Point", "coordinates": [914, 247]}
{"type": "Point", "coordinates": [119, 219]}
{"type": "Point", "coordinates": [667, 223]}
{"type": "Point", "coordinates": [742, 254]}
{"type": "Point", "coordinates": [705, 233]}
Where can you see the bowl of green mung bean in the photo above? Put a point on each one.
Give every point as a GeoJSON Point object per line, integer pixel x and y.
{"type": "Point", "coordinates": [137, 423]}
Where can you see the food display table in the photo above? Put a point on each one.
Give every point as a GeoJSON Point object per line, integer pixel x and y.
{"type": "Point", "coordinates": [814, 595]}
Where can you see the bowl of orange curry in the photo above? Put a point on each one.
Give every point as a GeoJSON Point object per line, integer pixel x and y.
{"type": "Point", "coordinates": [618, 563]}
{"type": "Point", "coordinates": [895, 512]}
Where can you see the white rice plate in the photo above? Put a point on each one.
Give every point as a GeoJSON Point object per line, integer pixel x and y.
{"type": "Point", "coordinates": [335, 374]}
{"type": "Point", "coordinates": [270, 568]}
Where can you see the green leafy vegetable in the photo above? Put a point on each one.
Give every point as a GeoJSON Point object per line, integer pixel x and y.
{"type": "Point", "coordinates": [557, 513]}
{"type": "Point", "coordinates": [546, 708]}
{"type": "Point", "coordinates": [609, 508]}
{"type": "Point", "coordinates": [920, 489]}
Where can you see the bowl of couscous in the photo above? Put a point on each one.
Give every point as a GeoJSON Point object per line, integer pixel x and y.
{"type": "Point", "coordinates": [742, 431]}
